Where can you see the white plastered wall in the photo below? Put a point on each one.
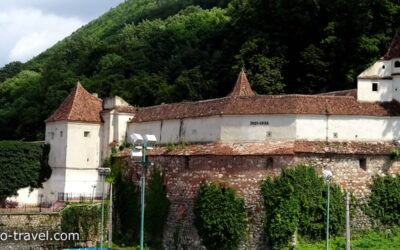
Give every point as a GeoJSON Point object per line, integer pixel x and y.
{"type": "Point", "coordinates": [311, 127]}
{"type": "Point", "coordinates": [239, 129]}
{"type": "Point", "coordinates": [143, 128]}
{"type": "Point", "coordinates": [207, 129]}
{"type": "Point", "coordinates": [365, 93]}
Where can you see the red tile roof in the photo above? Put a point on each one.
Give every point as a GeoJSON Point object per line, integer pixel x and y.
{"type": "Point", "coordinates": [80, 105]}
{"type": "Point", "coordinates": [126, 109]}
{"type": "Point", "coordinates": [276, 148]}
{"type": "Point", "coordinates": [394, 49]}
{"type": "Point", "coordinates": [242, 86]}
{"type": "Point", "coordinates": [268, 104]}
{"type": "Point", "coordinates": [348, 92]}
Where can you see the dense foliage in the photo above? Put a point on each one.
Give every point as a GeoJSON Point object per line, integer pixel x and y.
{"type": "Point", "coordinates": [384, 200]}
{"type": "Point", "coordinates": [83, 219]}
{"type": "Point", "coordinates": [153, 51]}
{"type": "Point", "coordinates": [22, 164]}
{"type": "Point", "coordinates": [127, 206]}
{"type": "Point", "coordinates": [219, 216]}
{"type": "Point", "coordinates": [157, 208]}
{"type": "Point", "coordinates": [296, 202]}
{"type": "Point", "coordinates": [126, 203]}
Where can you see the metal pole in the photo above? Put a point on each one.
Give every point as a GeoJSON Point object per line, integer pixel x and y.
{"type": "Point", "coordinates": [143, 189]}
{"type": "Point", "coordinates": [110, 217]}
{"type": "Point", "coordinates": [347, 221]}
{"type": "Point", "coordinates": [327, 219]}
{"type": "Point", "coordinates": [102, 215]}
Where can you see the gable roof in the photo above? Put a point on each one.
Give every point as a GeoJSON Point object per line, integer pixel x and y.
{"type": "Point", "coordinates": [394, 49]}
{"type": "Point", "coordinates": [80, 105]}
{"type": "Point", "coordinates": [242, 86]}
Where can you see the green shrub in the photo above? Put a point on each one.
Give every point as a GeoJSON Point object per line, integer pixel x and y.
{"type": "Point", "coordinates": [384, 200]}
{"type": "Point", "coordinates": [157, 208]}
{"type": "Point", "coordinates": [394, 154]}
{"type": "Point", "coordinates": [296, 201]}
{"type": "Point", "coordinates": [219, 216]}
{"type": "Point", "coordinates": [83, 219]}
{"type": "Point", "coordinates": [170, 146]}
{"type": "Point", "coordinates": [22, 164]}
{"type": "Point", "coordinates": [126, 203]}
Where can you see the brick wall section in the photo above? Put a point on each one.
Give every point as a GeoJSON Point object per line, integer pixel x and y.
{"type": "Point", "coordinates": [185, 174]}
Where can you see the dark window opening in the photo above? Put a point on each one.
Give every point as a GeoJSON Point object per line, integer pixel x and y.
{"type": "Point", "coordinates": [374, 86]}
{"type": "Point", "coordinates": [270, 163]}
{"type": "Point", "coordinates": [363, 164]}
{"type": "Point", "coordinates": [86, 134]}
{"type": "Point", "coordinates": [383, 66]}
{"type": "Point", "coordinates": [397, 64]}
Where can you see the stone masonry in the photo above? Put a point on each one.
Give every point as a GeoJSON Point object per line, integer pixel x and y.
{"type": "Point", "coordinates": [185, 173]}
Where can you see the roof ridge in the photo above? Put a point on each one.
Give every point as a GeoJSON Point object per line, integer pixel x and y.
{"type": "Point", "coordinates": [73, 99]}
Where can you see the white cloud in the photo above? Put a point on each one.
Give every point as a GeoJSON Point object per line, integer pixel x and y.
{"type": "Point", "coordinates": [27, 32]}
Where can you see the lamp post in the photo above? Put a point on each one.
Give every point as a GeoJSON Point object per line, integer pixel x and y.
{"type": "Point", "coordinates": [41, 197]}
{"type": "Point", "coordinates": [103, 172]}
{"type": "Point", "coordinates": [93, 187]}
{"type": "Point", "coordinates": [145, 143]}
{"type": "Point", "coordinates": [327, 175]}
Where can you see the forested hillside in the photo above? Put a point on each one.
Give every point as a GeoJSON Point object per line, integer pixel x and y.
{"type": "Point", "coordinates": [153, 51]}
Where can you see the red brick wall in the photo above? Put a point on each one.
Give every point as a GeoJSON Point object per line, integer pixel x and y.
{"type": "Point", "coordinates": [185, 174]}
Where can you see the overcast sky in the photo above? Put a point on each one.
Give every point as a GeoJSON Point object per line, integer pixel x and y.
{"type": "Point", "coordinates": [28, 27]}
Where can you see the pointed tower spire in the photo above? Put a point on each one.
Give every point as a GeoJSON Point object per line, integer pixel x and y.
{"type": "Point", "coordinates": [242, 86]}
{"type": "Point", "coordinates": [394, 49]}
{"type": "Point", "coordinates": [79, 105]}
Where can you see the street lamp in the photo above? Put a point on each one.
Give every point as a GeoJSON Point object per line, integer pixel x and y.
{"type": "Point", "coordinates": [327, 176]}
{"type": "Point", "coordinates": [142, 144]}
{"type": "Point", "coordinates": [93, 187]}
{"type": "Point", "coordinates": [103, 172]}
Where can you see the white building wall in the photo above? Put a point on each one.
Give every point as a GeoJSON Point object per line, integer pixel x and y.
{"type": "Point", "coordinates": [123, 119]}
{"type": "Point", "coordinates": [143, 128]}
{"type": "Point", "coordinates": [311, 127]}
{"type": "Point", "coordinates": [363, 128]}
{"type": "Point", "coordinates": [240, 128]}
{"type": "Point", "coordinates": [396, 87]}
{"type": "Point", "coordinates": [206, 129]}
{"type": "Point", "coordinates": [170, 131]}
{"type": "Point", "coordinates": [365, 93]}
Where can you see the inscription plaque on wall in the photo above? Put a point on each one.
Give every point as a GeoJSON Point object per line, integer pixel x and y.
{"type": "Point", "coordinates": [259, 123]}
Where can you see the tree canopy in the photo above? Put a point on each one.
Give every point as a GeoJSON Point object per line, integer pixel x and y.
{"type": "Point", "coordinates": [154, 51]}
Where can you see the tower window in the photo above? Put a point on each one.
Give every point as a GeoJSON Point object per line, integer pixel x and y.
{"type": "Point", "coordinates": [52, 135]}
{"type": "Point", "coordinates": [397, 64]}
{"type": "Point", "coordinates": [383, 66]}
{"type": "Point", "coordinates": [363, 164]}
{"type": "Point", "coordinates": [374, 86]}
{"type": "Point", "coordinates": [86, 134]}
{"type": "Point", "coordinates": [61, 134]}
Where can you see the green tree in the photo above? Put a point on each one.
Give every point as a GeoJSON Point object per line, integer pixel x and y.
{"type": "Point", "coordinates": [219, 216]}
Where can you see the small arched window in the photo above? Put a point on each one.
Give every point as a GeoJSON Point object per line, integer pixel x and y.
{"type": "Point", "coordinates": [397, 64]}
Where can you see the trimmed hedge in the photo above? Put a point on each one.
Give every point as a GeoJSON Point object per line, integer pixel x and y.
{"type": "Point", "coordinates": [22, 164]}
{"type": "Point", "coordinates": [296, 201]}
{"type": "Point", "coordinates": [219, 216]}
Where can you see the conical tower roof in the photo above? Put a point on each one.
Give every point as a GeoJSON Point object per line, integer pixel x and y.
{"type": "Point", "coordinates": [394, 49]}
{"type": "Point", "coordinates": [242, 86]}
{"type": "Point", "coordinates": [80, 105]}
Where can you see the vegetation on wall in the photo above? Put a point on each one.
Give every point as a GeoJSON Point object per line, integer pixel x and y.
{"type": "Point", "coordinates": [384, 200]}
{"type": "Point", "coordinates": [127, 206]}
{"type": "Point", "coordinates": [154, 51]}
{"type": "Point", "coordinates": [296, 202]}
{"type": "Point", "coordinates": [219, 216]}
{"type": "Point", "coordinates": [157, 208]}
{"type": "Point", "coordinates": [22, 164]}
{"type": "Point", "coordinates": [83, 219]}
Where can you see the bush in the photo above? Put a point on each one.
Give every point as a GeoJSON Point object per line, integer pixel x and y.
{"type": "Point", "coordinates": [296, 201]}
{"type": "Point", "coordinates": [394, 154]}
{"type": "Point", "coordinates": [219, 216]}
{"type": "Point", "coordinates": [384, 200]}
{"type": "Point", "coordinates": [83, 219]}
{"type": "Point", "coordinates": [22, 164]}
{"type": "Point", "coordinates": [157, 208]}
